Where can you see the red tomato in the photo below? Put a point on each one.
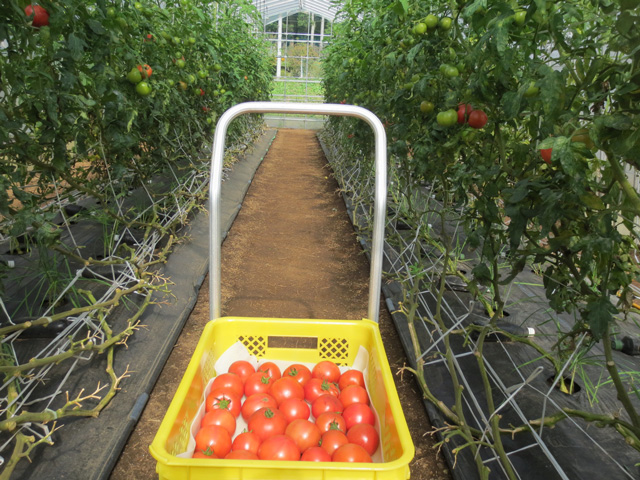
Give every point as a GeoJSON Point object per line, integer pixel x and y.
{"type": "Point", "coordinates": [358, 413]}
{"type": "Point", "coordinates": [315, 454]}
{"type": "Point", "coordinates": [222, 399]}
{"type": "Point", "coordinates": [241, 455]}
{"type": "Point", "coordinates": [230, 382]}
{"type": "Point", "coordinates": [258, 382]}
{"type": "Point", "coordinates": [270, 369]}
{"type": "Point", "coordinates": [242, 368]}
{"type": "Point", "coordinates": [267, 422]}
{"type": "Point", "coordinates": [354, 394]}
{"type": "Point", "coordinates": [223, 418]}
{"type": "Point", "coordinates": [40, 15]}
{"type": "Point", "coordinates": [464, 111]}
{"type": "Point", "coordinates": [326, 370]}
{"type": "Point", "coordinates": [478, 119]}
{"type": "Point", "coordinates": [279, 447]}
{"type": "Point", "coordinates": [326, 403]}
{"type": "Point", "coordinates": [546, 154]}
{"type": "Point", "coordinates": [145, 70]}
{"type": "Point", "coordinates": [257, 401]}
{"type": "Point", "coordinates": [364, 435]}
{"type": "Point", "coordinates": [351, 453]}
{"type": "Point", "coordinates": [294, 408]}
{"type": "Point", "coordinates": [301, 373]}
{"type": "Point", "coordinates": [316, 387]}
{"type": "Point", "coordinates": [351, 377]}
{"type": "Point", "coordinates": [213, 438]}
{"type": "Point", "coordinates": [331, 421]}
{"type": "Point", "coordinates": [305, 433]}
{"type": "Point", "coordinates": [333, 439]}
{"type": "Point", "coordinates": [286, 387]}
{"type": "Point", "coordinates": [248, 441]}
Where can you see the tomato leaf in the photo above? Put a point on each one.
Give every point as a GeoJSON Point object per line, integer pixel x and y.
{"type": "Point", "coordinates": [598, 314]}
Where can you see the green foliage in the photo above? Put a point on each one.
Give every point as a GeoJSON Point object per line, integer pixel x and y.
{"type": "Point", "coordinates": [65, 98]}
{"type": "Point", "coordinates": [565, 78]}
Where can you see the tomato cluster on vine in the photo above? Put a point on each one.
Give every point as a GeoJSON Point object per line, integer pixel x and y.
{"type": "Point", "coordinates": [318, 414]}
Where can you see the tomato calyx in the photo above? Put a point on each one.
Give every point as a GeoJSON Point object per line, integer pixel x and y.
{"type": "Point", "coordinates": [268, 413]}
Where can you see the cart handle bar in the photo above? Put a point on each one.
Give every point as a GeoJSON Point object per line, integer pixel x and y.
{"type": "Point", "coordinates": [380, 199]}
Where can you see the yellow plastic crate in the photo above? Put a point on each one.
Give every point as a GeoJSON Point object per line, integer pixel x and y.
{"type": "Point", "coordinates": [292, 340]}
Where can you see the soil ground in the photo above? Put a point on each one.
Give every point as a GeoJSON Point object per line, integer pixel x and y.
{"type": "Point", "coordinates": [291, 253]}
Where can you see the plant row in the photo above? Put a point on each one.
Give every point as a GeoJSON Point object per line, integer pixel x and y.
{"type": "Point", "coordinates": [522, 117]}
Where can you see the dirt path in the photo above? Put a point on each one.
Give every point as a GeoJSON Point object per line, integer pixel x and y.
{"type": "Point", "coordinates": [290, 253]}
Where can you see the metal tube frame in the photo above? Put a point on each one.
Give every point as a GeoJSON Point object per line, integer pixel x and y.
{"type": "Point", "coordinates": [380, 199]}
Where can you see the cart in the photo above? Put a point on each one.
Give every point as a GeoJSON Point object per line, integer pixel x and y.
{"type": "Point", "coordinates": [292, 340]}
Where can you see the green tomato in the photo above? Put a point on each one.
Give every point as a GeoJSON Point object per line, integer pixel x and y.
{"type": "Point", "coordinates": [176, 40]}
{"type": "Point", "coordinates": [447, 118]}
{"type": "Point", "coordinates": [519, 17]}
{"type": "Point", "coordinates": [431, 21]}
{"type": "Point", "coordinates": [134, 76]}
{"type": "Point", "coordinates": [111, 12]}
{"type": "Point", "coordinates": [451, 71]}
{"type": "Point", "coordinates": [426, 107]}
{"type": "Point", "coordinates": [171, 82]}
{"type": "Point", "coordinates": [222, 91]}
{"type": "Point", "coordinates": [181, 63]}
{"type": "Point", "coordinates": [445, 23]}
{"type": "Point", "coordinates": [191, 78]}
{"type": "Point", "coordinates": [122, 23]}
{"type": "Point", "coordinates": [531, 90]}
{"type": "Point", "coordinates": [217, 67]}
{"type": "Point", "coordinates": [202, 74]}
{"type": "Point", "coordinates": [420, 29]}
{"type": "Point", "coordinates": [143, 89]}
{"type": "Point", "coordinates": [192, 40]}
{"type": "Point", "coordinates": [138, 6]}
{"type": "Point", "coordinates": [166, 35]}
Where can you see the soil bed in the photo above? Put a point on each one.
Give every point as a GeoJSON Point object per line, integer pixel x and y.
{"type": "Point", "coordinates": [291, 253]}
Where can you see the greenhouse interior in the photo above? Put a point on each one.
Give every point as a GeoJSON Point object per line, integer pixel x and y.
{"type": "Point", "coordinates": [320, 239]}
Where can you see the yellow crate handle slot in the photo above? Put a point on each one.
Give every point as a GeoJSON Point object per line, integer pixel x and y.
{"type": "Point", "coordinates": [380, 198]}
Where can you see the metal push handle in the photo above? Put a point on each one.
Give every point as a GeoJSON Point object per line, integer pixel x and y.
{"type": "Point", "coordinates": [380, 199]}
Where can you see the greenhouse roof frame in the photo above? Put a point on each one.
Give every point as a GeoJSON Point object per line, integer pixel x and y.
{"type": "Point", "coordinates": [271, 10]}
